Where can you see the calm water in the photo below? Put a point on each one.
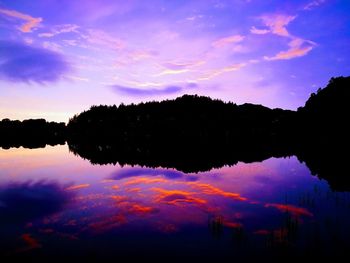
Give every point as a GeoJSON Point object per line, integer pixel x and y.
{"type": "Point", "coordinates": [54, 204]}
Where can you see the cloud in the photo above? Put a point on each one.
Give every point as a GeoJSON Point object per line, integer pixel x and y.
{"type": "Point", "coordinates": [30, 22]}
{"type": "Point", "coordinates": [212, 190]}
{"type": "Point", "coordinates": [103, 39]}
{"type": "Point", "coordinates": [257, 31]}
{"type": "Point", "coordinates": [313, 4]}
{"type": "Point", "coordinates": [140, 209]}
{"type": "Point", "coordinates": [24, 63]}
{"type": "Point", "coordinates": [138, 55]}
{"type": "Point", "coordinates": [297, 48]}
{"type": "Point", "coordinates": [78, 186]}
{"type": "Point", "coordinates": [146, 92]}
{"type": "Point", "coordinates": [167, 173]}
{"type": "Point", "coordinates": [171, 72]}
{"type": "Point", "coordinates": [22, 202]}
{"type": "Point", "coordinates": [277, 23]}
{"type": "Point", "coordinates": [60, 29]}
{"type": "Point", "coordinates": [145, 180]}
{"type": "Point", "coordinates": [176, 197]}
{"type": "Point", "coordinates": [227, 40]}
{"type": "Point", "coordinates": [174, 65]}
{"type": "Point", "coordinates": [294, 210]}
{"type": "Point", "coordinates": [216, 72]}
{"type": "Point", "coordinates": [108, 223]}
{"type": "Point", "coordinates": [31, 243]}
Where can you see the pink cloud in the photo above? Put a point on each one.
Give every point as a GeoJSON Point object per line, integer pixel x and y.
{"type": "Point", "coordinates": [257, 31]}
{"type": "Point", "coordinates": [104, 39]}
{"type": "Point", "coordinates": [277, 23]}
{"type": "Point", "coordinates": [297, 48]}
{"type": "Point", "coordinates": [227, 40]}
{"type": "Point", "coordinates": [30, 22]}
{"type": "Point", "coordinates": [216, 72]}
{"type": "Point", "coordinates": [78, 186]}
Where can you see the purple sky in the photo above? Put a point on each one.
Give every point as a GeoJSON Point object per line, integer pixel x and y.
{"type": "Point", "coordinates": [58, 58]}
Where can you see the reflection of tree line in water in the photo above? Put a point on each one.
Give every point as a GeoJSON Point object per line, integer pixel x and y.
{"type": "Point", "coordinates": [194, 133]}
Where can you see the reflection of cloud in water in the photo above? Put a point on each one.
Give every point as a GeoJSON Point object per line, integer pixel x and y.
{"type": "Point", "coordinates": [22, 202]}
{"type": "Point", "coordinates": [294, 210]}
{"type": "Point", "coordinates": [167, 173]}
{"type": "Point", "coordinates": [176, 197]}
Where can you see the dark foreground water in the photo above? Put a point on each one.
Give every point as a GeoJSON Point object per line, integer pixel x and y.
{"type": "Point", "coordinates": [56, 206]}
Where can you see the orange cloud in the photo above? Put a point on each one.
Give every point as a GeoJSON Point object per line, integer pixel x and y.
{"type": "Point", "coordinates": [176, 197]}
{"type": "Point", "coordinates": [212, 190]}
{"type": "Point", "coordinates": [119, 198]}
{"type": "Point", "coordinates": [294, 210]}
{"type": "Point", "coordinates": [78, 186]}
{"type": "Point", "coordinates": [31, 22]}
{"type": "Point", "coordinates": [145, 180]}
{"type": "Point", "coordinates": [141, 209]}
{"type": "Point", "coordinates": [227, 40]}
{"type": "Point", "coordinates": [115, 187]}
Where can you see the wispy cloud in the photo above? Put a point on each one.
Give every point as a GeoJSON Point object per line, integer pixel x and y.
{"type": "Point", "coordinates": [60, 29]}
{"type": "Point", "coordinates": [257, 31]}
{"type": "Point", "coordinates": [24, 63]}
{"type": "Point", "coordinates": [222, 42]}
{"type": "Point", "coordinates": [30, 22]}
{"type": "Point", "coordinates": [297, 48]}
{"type": "Point", "coordinates": [294, 210]}
{"type": "Point", "coordinates": [216, 72]}
{"type": "Point", "coordinates": [146, 92]}
{"type": "Point", "coordinates": [171, 72]}
{"type": "Point", "coordinates": [175, 65]}
{"type": "Point", "coordinates": [77, 187]}
{"type": "Point", "coordinates": [103, 39]}
{"type": "Point", "coordinates": [313, 4]}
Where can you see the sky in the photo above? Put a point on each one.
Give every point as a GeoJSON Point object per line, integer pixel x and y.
{"type": "Point", "coordinates": [59, 57]}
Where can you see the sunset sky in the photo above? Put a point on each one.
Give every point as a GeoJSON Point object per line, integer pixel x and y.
{"type": "Point", "coordinates": [59, 57]}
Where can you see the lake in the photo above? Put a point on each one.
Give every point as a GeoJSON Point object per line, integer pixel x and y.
{"type": "Point", "coordinates": [56, 205]}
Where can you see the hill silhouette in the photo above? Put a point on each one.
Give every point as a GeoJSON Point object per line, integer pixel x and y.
{"type": "Point", "coordinates": [194, 133]}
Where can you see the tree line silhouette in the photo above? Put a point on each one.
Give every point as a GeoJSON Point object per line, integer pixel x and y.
{"type": "Point", "coordinates": [31, 133]}
{"type": "Point", "coordinates": [194, 133]}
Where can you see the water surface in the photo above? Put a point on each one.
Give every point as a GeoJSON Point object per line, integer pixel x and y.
{"type": "Point", "coordinates": [54, 204]}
